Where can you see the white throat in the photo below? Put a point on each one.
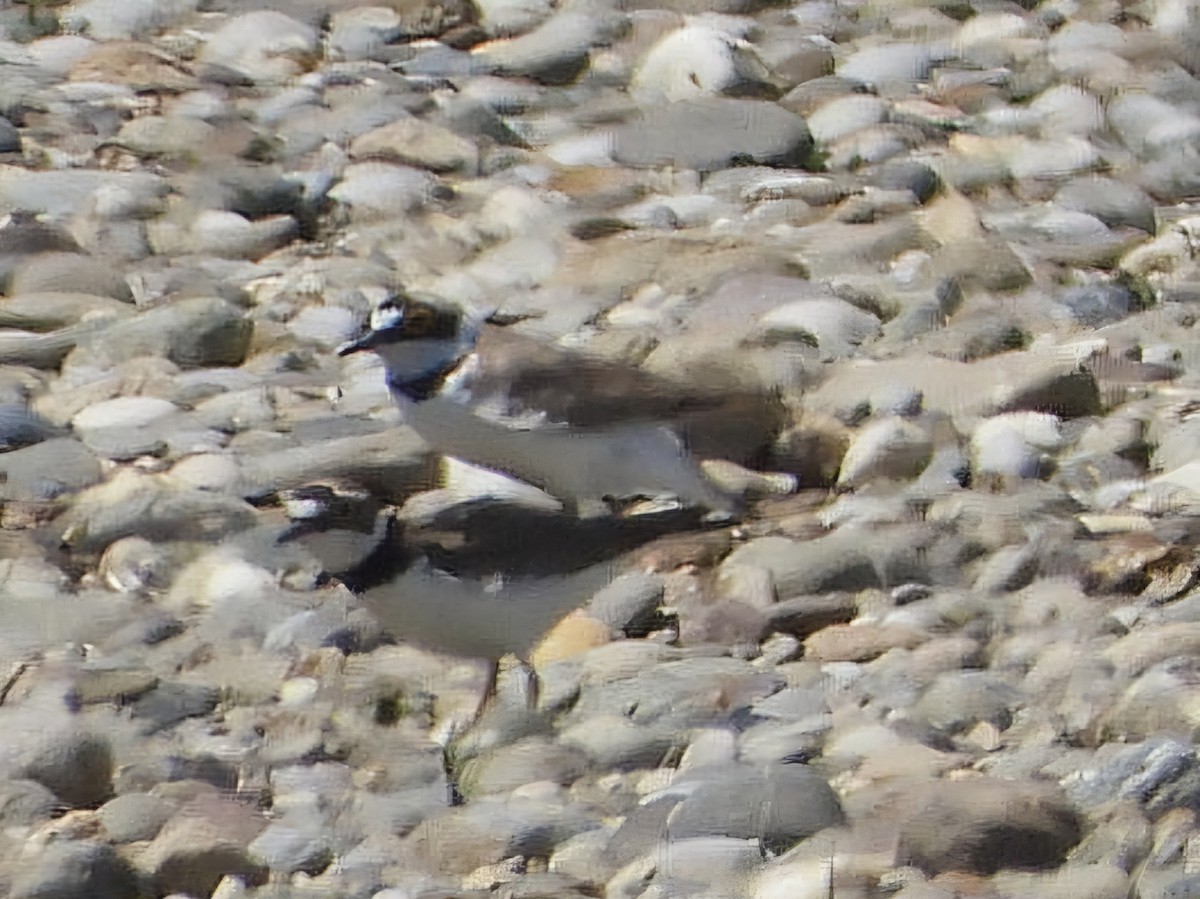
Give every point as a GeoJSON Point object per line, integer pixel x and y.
{"type": "Point", "coordinates": [417, 369]}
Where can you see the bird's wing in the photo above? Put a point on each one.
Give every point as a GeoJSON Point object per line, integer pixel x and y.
{"type": "Point", "coordinates": [576, 389]}
{"type": "Point", "coordinates": [531, 543]}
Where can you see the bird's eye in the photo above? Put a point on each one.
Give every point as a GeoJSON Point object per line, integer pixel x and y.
{"type": "Point", "coordinates": [418, 320]}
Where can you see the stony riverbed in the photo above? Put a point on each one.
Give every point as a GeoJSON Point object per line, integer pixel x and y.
{"type": "Point", "coordinates": [956, 239]}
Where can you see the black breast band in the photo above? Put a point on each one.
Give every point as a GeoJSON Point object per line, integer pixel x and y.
{"type": "Point", "coordinates": [426, 385]}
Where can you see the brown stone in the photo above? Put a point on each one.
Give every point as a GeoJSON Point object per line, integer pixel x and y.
{"type": "Point", "coordinates": [860, 643]}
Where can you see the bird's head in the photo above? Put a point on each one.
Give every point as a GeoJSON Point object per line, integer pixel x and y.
{"type": "Point", "coordinates": [420, 338]}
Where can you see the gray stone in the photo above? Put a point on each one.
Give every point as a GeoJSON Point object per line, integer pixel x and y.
{"type": "Point", "coordinates": [837, 562]}
{"type": "Point", "coordinates": [26, 803]}
{"type": "Point", "coordinates": [264, 46]}
{"type": "Point", "coordinates": [111, 680]}
{"type": "Point", "coordinates": [154, 136]}
{"type": "Point", "coordinates": [364, 31]}
{"type": "Point", "coordinates": [882, 64]}
{"type": "Point", "coordinates": [75, 870]}
{"type": "Point", "coordinates": [843, 116]}
{"type": "Point", "coordinates": [780, 806]}
{"type": "Point", "coordinates": [804, 615]}
{"type": "Point", "coordinates": [134, 817]}
{"type": "Point", "coordinates": [484, 831]}
{"type": "Point", "coordinates": [902, 174]}
{"type": "Point", "coordinates": [613, 743]}
{"type": "Point", "coordinates": [677, 695]}
{"type": "Point", "coordinates": [378, 191]}
{"type": "Point", "coordinates": [296, 842]}
{"type": "Point", "coordinates": [19, 427]}
{"type": "Point", "coordinates": [169, 703]}
{"type": "Point", "coordinates": [689, 865]}
{"type": "Point", "coordinates": [71, 273]}
{"type": "Point", "coordinates": [47, 470]}
{"type": "Point", "coordinates": [1114, 202]}
{"type": "Point", "coordinates": [957, 700]}
{"type": "Point", "coordinates": [714, 134]}
{"type": "Point", "coordinates": [193, 332]}
{"type": "Point", "coordinates": [228, 235]}
{"type": "Point", "coordinates": [121, 20]}
{"type": "Point", "coordinates": [132, 505]}
{"type": "Point", "coordinates": [889, 448]}
{"type": "Point", "coordinates": [65, 193]}
{"type": "Point", "coordinates": [47, 311]}
{"type": "Point", "coordinates": [835, 327]}
{"type": "Point", "coordinates": [504, 17]}
{"type": "Point", "coordinates": [629, 603]}
{"type": "Point", "coordinates": [205, 840]}
{"type": "Point", "coordinates": [1147, 123]}
{"type": "Point", "coordinates": [135, 423]}
{"type": "Point", "coordinates": [983, 825]}
{"type": "Point", "coordinates": [418, 143]}
{"type": "Point", "coordinates": [557, 50]}
{"type": "Point", "coordinates": [1097, 305]}
{"type": "Point", "coordinates": [534, 759]}
{"type": "Point", "coordinates": [1158, 773]}
{"type": "Point", "coordinates": [75, 764]}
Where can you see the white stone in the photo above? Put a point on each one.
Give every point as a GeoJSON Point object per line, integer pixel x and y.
{"type": "Point", "coordinates": [123, 412]}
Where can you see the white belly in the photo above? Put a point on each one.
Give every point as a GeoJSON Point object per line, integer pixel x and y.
{"type": "Point", "coordinates": [623, 461]}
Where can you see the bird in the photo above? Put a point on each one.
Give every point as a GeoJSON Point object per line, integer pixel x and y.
{"type": "Point", "coordinates": [585, 430]}
{"type": "Point", "coordinates": [488, 580]}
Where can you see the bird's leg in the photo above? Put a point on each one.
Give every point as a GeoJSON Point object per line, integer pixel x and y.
{"type": "Point", "coordinates": [490, 691]}
{"type": "Point", "coordinates": [533, 685]}
{"type": "Point", "coordinates": [454, 795]}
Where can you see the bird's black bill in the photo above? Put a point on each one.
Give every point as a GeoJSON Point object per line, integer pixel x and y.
{"type": "Point", "coordinates": [371, 340]}
{"type": "Point", "coordinates": [355, 346]}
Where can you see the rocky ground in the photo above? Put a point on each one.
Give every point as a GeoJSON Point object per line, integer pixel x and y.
{"type": "Point", "coordinates": [956, 237]}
